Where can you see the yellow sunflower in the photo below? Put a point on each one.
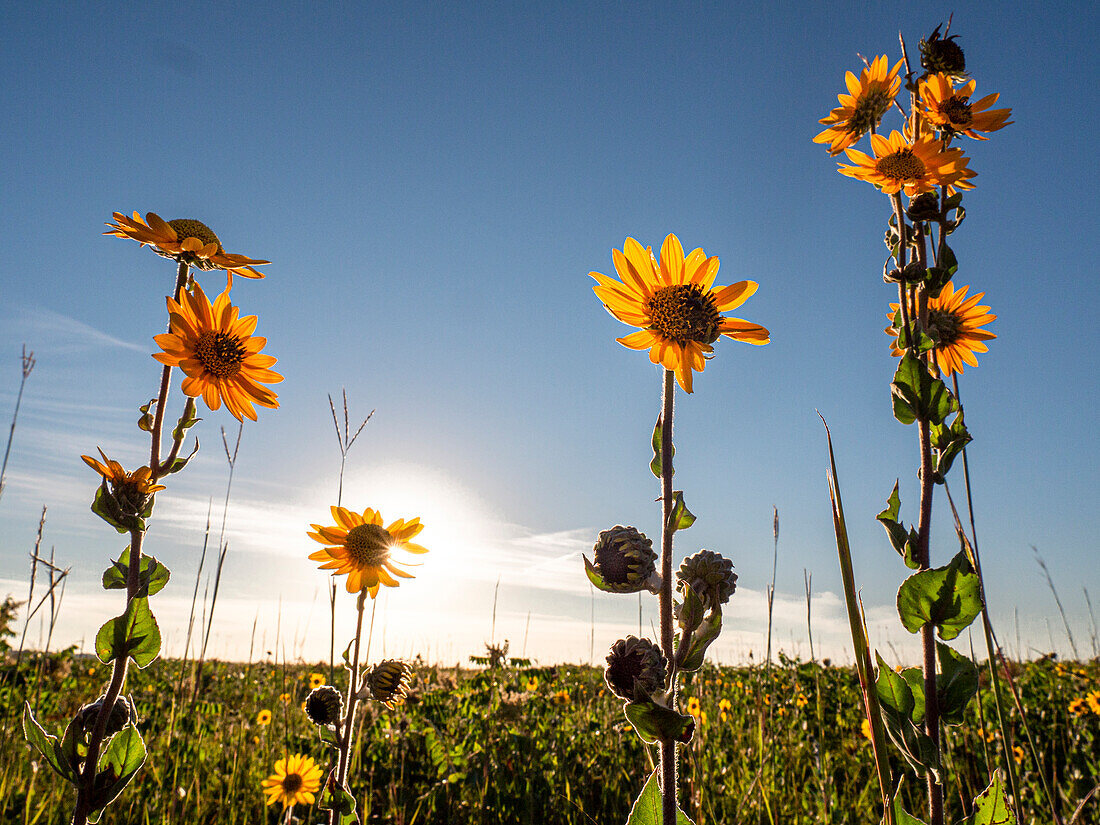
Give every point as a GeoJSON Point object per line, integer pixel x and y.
{"type": "Point", "coordinates": [916, 166]}
{"type": "Point", "coordinates": [359, 546]}
{"type": "Point", "coordinates": [868, 98]}
{"type": "Point", "coordinates": [676, 305]}
{"type": "Point", "coordinates": [185, 240]}
{"type": "Point", "coordinates": [1078, 706]}
{"type": "Point", "coordinates": [131, 486]}
{"type": "Point", "coordinates": [950, 110]}
{"type": "Point", "coordinates": [295, 781]}
{"type": "Point", "coordinates": [954, 322]}
{"type": "Point", "coordinates": [1093, 701]}
{"type": "Point", "coordinates": [218, 353]}
{"type": "Point", "coordinates": [316, 680]}
{"type": "Point", "coordinates": [263, 717]}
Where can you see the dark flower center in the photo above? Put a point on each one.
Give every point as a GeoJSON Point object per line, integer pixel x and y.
{"type": "Point", "coordinates": [368, 545]}
{"type": "Point", "coordinates": [623, 673]}
{"type": "Point", "coordinates": [190, 228]}
{"type": "Point", "coordinates": [957, 112]}
{"type": "Point", "coordinates": [292, 783]}
{"type": "Point", "coordinates": [944, 326]}
{"type": "Point", "coordinates": [684, 313]}
{"type": "Point", "coordinates": [901, 165]}
{"type": "Point", "coordinates": [868, 110]}
{"type": "Point", "coordinates": [220, 354]}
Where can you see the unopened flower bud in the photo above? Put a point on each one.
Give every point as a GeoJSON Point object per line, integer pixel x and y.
{"type": "Point", "coordinates": [710, 577]}
{"type": "Point", "coordinates": [323, 705]}
{"type": "Point", "coordinates": [121, 714]}
{"type": "Point", "coordinates": [635, 669]}
{"type": "Point", "coordinates": [624, 559]}
{"type": "Point", "coordinates": [924, 207]}
{"type": "Point", "coordinates": [942, 54]}
{"type": "Point", "coordinates": [388, 682]}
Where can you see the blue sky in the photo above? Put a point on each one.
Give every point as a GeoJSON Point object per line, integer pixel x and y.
{"type": "Point", "coordinates": [432, 184]}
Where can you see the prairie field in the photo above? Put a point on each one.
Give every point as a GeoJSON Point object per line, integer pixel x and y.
{"type": "Point", "coordinates": [536, 745]}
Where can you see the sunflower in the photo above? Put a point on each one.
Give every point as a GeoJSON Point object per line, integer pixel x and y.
{"type": "Point", "coordinates": [915, 166]}
{"type": "Point", "coordinates": [675, 304]}
{"type": "Point", "coordinates": [218, 353]}
{"type": "Point", "coordinates": [950, 110]}
{"type": "Point", "coordinates": [359, 546]}
{"type": "Point", "coordinates": [130, 486]}
{"type": "Point", "coordinates": [1093, 701]}
{"type": "Point", "coordinates": [295, 781]}
{"type": "Point", "coordinates": [693, 706]}
{"type": "Point", "coordinates": [954, 323]}
{"type": "Point", "coordinates": [316, 680]}
{"type": "Point", "coordinates": [185, 240]}
{"type": "Point", "coordinates": [870, 95]}
{"type": "Point", "coordinates": [263, 717]}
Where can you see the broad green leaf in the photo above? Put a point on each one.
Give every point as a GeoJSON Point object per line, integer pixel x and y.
{"type": "Point", "coordinates": [654, 722]}
{"type": "Point", "coordinates": [689, 611]}
{"type": "Point", "coordinates": [904, 542]}
{"type": "Point", "coordinates": [917, 394]}
{"type": "Point", "coordinates": [607, 587]}
{"type": "Point", "coordinates": [106, 507]}
{"type": "Point", "coordinates": [338, 799]}
{"type": "Point", "coordinates": [181, 462]}
{"type": "Point", "coordinates": [894, 693]}
{"type": "Point", "coordinates": [700, 640]}
{"type": "Point", "coordinates": [151, 578]}
{"type": "Point", "coordinates": [914, 677]}
{"type": "Point", "coordinates": [329, 735]}
{"type": "Point", "coordinates": [135, 634]}
{"type": "Point", "coordinates": [655, 464]}
{"type": "Point", "coordinates": [121, 760]}
{"type": "Point", "coordinates": [956, 684]}
{"type": "Point", "coordinates": [947, 597]}
{"type": "Point", "coordinates": [991, 805]}
{"type": "Point", "coordinates": [44, 743]}
{"type": "Point", "coordinates": [647, 807]}
{"type": "Point", "coordinates": [680, 518]}
{"type": "Point", "coordinates": [947, 443]}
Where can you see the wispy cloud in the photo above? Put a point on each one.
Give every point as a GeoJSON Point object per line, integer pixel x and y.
{"type": "Point", "coordinates": [67, 334]}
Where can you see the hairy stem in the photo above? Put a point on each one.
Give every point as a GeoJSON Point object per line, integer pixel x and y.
{"type": "Point", "coordinates": [668, 748]}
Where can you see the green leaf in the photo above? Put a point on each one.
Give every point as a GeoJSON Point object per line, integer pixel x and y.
{"type": "Point", "coordinates": [186, 422]}
{"type": "Point", "coordinates": [991, 805]}
{"type": "Point", "coordinates": [953, 201]}
{"type": "Point", "coordinates": [151, 578]}
{"type": "Point", "coordinates": [106, 507]}
{"type": "Point", "coordinates": [135, 634]}
{"type": "Point", "coordinates": [655, 464]}
{"type": "Point", "coordinates": [121, 760]}
{"type": "Point", "coordinates": [329, 735]}
{"type": "Point", "coordinates": [689, 614]}
{"type": "Point", "coordinates": [45, 744]}
{"type": "Point", "coordinates": [647, 807]}
{"type": "Point", "coordinates": [338, 799]}
{"type": "Point", "coordinates": [607, 587]}
{"type": "Point", "coordinates": [947, 597]}
{"type": "Point", "coordinates": [914, 677]}
{"type": "Point", "coordinates": [145, 423]}
{"type": "Point", "coordinates": [894, 693]}
{"type": "Point", "coordinates": [947, 443]}
{"type": "Point", "coordinates": [654, 723]}
{"type": "Point", "coordinates": [180, 463]}
{"type": "Point", "coordinates": [680, 518]}
{"type": "Point", "coordinates": [901, 816]}
{"type": "Point", "coordinates": [700, 640]}
{"type": "Point", "coordinates": [923, 344]}
{"type": "Point", "coordinates": [917, 395]}
{"type": "Point", "coordinates": [904, 542]}
{"type": "Point", "coordinates": [956, 684]}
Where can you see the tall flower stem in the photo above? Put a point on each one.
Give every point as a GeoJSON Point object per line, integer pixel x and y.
{"type": "Point", "coordinates": [667, 747]}
{"type": "Point", "coordinates": [353, 690]}
{"type": "Point", "coordinates": [133, 581]}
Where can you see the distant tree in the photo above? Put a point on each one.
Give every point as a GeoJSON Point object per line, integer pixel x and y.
{"type": "Point", "coordinates": [8, 608]}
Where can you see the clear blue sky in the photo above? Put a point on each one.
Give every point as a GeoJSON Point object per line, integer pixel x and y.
{"type": "Point", "coordinates": [432, 183]}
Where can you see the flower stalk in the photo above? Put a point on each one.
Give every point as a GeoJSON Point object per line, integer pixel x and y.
{"type": "Point", "coordinates": [668, 755]}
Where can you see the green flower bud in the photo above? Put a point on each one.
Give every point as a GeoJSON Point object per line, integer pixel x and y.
{"type": "Point", "coordinates": [624, 560]}
{"type": "Point", "coordinates": [324, 705]}
{"type": "Point", "coordinates": [635, 669]}
{"type": "Point", "coordinates": [710, 576]}
{"type": "Point", "coordinates": [388, 682]}
{"type": "Point", "coordinates": [121, 714]}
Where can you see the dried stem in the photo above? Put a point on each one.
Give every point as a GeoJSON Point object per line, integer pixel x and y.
{"type": "Point", "coordinates": [28, 363]}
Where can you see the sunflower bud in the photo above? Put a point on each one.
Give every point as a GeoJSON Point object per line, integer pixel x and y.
{"type": "Point", "coordinates": [635, 669]}
{"type": "Point", "coordinates": [121, 714]}
{"type": "Point", "coordinates": [388, 682]}
{"type": "Point", "coordinates": [942, 54]}
{"type": "Point", "coordinates": [624, 560]}
{"type": "Point", "coordinates": [324, 705]}
{"type": "Point", "coordinates": [924, 207]}
{"type": "Point", "coordinates": [710, 577]}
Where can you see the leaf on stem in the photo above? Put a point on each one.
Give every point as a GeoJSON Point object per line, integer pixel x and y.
{"type": "Point", "coordinates": [917, 395]}
{"type": "Point", "coordinates": [656, 723]}
{"type": "Point", "coordinates": [947, 597]}
{"type": "Point", "coordinates": [121, 760]}
{"type": "Point", "coordinates": [45, 744]}
{"type": "Point", "coordinates": [991, 806]}
{"type": "Point", "coordinates": [956, 684]}
{"type": "Point", "coordinates": [904, 542]}
{"type": "Point", "coordinates": [135, 634]}
{"type": "Point", "coordinates": [680, 518]}
{"type": "Point", "coordinates": [655, 464]}
{"type": "Point", "coordinates": [647, 807]}
{"type": "Point", "coordinates": [151, 578]}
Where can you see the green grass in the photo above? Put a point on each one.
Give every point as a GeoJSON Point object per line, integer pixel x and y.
{"type": "Point", "coordinates": [479, 747]}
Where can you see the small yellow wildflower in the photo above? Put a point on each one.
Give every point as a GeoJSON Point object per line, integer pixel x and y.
{"type": "Point", "coordinates": [263, 717]}
{"type": "Point", "coordinates": [295, 781]}
{"type": "Point", "coordinates": [1079, 706]}
{"type": "Point", "coordinates": [801, 701]}
{"type": "Point", "coordinates": [1093, 700]}
{"type": "Point", "coordinates": [561, 697]}
{"type": "Point", "coordinates": [865, 729]}
{"type": "Point", "coordinates": [532, 684]}
{"type": "Point", "coordinates": [284, 698]}
{"type": "Point", "coordinates": [693, 706]}
{"type": "Point", "coordinates": [316, 680]}
{"type": "Point", "coordinates": [1018, 754]}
